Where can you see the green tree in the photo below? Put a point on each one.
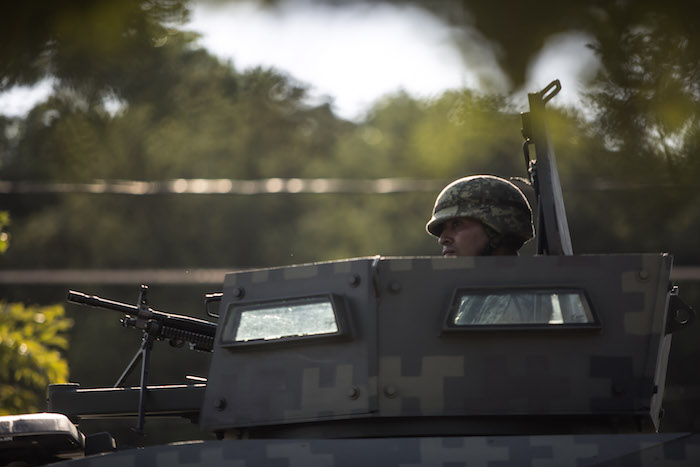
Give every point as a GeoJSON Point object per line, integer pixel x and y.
{"type": "Point", "coordinates": [221, 124]}
{"type": "Point", "coordinates": [87, 45]}
{"type": "Point", "coordinates": [4, 236]}
{"type": "Point", "coordinates": [647, 92]}
{"type": "Point", "coordinates": [647, 98]}
{"type": "Point", "coordinates": [31, 341]}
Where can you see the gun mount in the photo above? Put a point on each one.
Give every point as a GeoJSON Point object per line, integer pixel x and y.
{"type": "Point", "coordinates": [156, 325]}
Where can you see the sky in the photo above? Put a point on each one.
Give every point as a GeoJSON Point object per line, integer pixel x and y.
{"type": "Point", "coordinates": [353, 54]}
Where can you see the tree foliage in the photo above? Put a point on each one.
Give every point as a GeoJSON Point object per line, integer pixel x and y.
{"type": "Point", "coordinates": [647, 99]}
{"type": "Point", "coordinates": [648, 92]}
{"type": "Point", "coordinates": [87, 45]}
{"type": "Point", "coordinates": [32, 340]}
{"type": "Point", "coordinates": [4, 237]}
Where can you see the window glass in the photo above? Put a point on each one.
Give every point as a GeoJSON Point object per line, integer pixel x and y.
{"type": "Point", "coordinates": [520, 307]}
{"type": "Point", "coordinates": [279, 320]}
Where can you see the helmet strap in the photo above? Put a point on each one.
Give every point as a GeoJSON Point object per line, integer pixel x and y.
{"type": "Point", "coordinates": [495, 241]}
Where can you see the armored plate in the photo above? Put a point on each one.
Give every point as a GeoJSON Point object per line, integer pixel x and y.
{"type": "Point", "coordinates": [395, 343]}
{"type": "Point", "coordinates": [680, 450]}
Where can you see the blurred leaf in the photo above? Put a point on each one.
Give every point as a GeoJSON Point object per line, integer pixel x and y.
{"type": "Point", "coordinates": [4, 236]}
{"type": "Point", "coordinates": [31, 341]}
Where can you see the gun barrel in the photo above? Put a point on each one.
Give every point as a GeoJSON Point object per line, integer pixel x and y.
{"type": "Point", "coordinates": [93, 300]}
{"type": "Point", "coordinates": [184, 323]}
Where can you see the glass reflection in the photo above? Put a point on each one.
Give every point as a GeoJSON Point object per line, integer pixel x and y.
{"type": "Point", "coordinates": [521, 307]}
{"type": "Point", "coordinates": [286, 320]}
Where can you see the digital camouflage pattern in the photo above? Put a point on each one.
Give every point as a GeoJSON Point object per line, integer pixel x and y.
{"type": "Point", "coordinates": [641, 450]}
{"type": "Point", "coordinates": [401, 388]}
{"type": "Point", "coordinates": [491, 200]}
{"type": "Point", "coordinates": [400, 360]}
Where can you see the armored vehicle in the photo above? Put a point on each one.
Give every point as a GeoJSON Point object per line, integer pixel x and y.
{"type": "Point", "coordinates": [375, 361]}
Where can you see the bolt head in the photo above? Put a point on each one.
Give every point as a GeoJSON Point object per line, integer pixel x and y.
{"type": "Point", "coordinates": [238, 292]}
{"type": "Point", "coordinates": [220, 404]}
{"type": "Point", "coordinates": [354, 280]}
{"type": "Point", "coordinates": [353, 393]}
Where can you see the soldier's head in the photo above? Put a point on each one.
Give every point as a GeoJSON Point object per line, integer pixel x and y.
{"type": "Point", "coordinates": [481, 215]}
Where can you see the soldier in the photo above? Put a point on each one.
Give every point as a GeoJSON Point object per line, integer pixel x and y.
{"type": "Point", "coordinates": [481, 215]}
{"type": "Point", "coordinates": [485, 215]}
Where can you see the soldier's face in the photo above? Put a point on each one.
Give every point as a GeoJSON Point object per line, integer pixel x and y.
{"type": "Point", "coordinates": [463, 236]}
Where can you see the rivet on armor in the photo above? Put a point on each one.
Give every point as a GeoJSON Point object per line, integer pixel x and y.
{"type": "Point", "coordinates": [238, 292]}
{"type": "Point", "coordinates": [643, 275]}
{"type": "Point", "coordinates": [618, 388]}
{"type": "Point", "coordinates": [220, 404]}
{"type": "Point", "coordinates": [353, 392]}
{"type": "Point", "coordinates": [354, 280]}
{"type": "Point", "coordinates": [391, 391]}
{"type": "Point", "coordinates": [395, 287]}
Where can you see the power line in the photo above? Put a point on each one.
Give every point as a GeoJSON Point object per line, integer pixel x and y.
{"type": "Point", "coordinates": [227, 186]}
{"type": "Point", "coordinates": [224, 186]}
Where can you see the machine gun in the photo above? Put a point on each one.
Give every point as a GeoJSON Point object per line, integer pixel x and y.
{"type": "Point", "coordinates": [156, 325]}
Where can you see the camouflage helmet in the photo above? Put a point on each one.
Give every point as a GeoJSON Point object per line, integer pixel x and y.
{"type": "Point", "coordinates": [493, 201]}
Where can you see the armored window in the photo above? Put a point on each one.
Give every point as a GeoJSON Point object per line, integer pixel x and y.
{"type": "Point", "coordinates": [284, 320]}
{"type": "Point", "coordinates": [516, 307]}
